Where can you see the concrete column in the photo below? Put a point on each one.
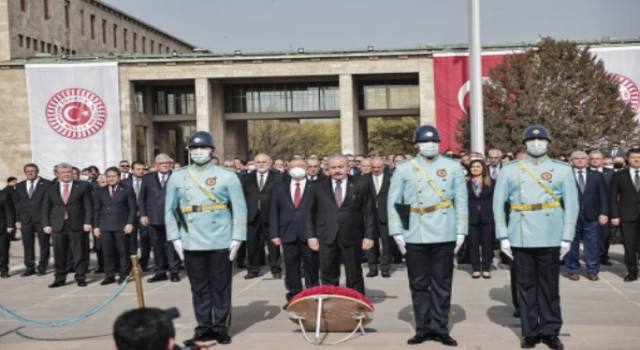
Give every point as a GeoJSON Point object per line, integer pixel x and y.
{"type": "Point", "coordinates": [5, 39]}
{"type": "Point", "coordinates": [210, 111]}
{"type": "Point", "coordinates": [427, 93]}
{"type": "Point", "coordinates": [237, 139]}
{"type": "Point", "coordinates": [126, 118]}
{"type": "Point", "coordinates": [352, 138]}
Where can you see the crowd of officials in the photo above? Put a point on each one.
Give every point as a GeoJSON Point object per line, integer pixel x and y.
{"type": "Point", "coordinates": [289, 224]}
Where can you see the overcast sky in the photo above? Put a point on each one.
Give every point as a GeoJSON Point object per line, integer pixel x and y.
{"type": "Point", "coordinates": [279, 25]}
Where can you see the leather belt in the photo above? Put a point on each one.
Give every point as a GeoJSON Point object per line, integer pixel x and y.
{"type": "Point", "coordinates": [535, 207]}
{"type": "Point", "coordinates": [201, 208]}
{"type": "Point", "coordinates": [431, 209]}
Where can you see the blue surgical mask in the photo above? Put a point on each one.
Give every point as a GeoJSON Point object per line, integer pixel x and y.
{"type": "Point", "coordinates": [429, 149]}
{"type": "Point", "coordinates": [200, 156]}
{"type": "Point", "coordinates": [537, 148]}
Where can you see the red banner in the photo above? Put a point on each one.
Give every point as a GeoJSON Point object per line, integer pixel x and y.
{"type": "Point", "coordinates": [451, 80]}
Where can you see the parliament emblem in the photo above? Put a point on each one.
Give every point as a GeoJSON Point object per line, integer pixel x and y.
{"type": "Point", "coordinates": [76, 113]}
{"type": "Point", "coordinates": [442, 173]}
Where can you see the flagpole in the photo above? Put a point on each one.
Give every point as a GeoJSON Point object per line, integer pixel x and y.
{"type": "Point", "coordinates": [475, 78]}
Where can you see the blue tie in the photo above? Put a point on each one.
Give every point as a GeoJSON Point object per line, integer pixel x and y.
{"type": "Point", "coordinates": [581, 183]}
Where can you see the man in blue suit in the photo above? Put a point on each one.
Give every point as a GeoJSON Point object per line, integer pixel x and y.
{"type": "Point", "coordinates": [288, 207]}
{"type": "Point", "coordinates": [596, 160]}
{"type": "Point", "coordinates": [594, 211]}
{"type": "Point", "coordinates": [152, 201]}
{"type": "Point", "coordinates": [140, 231]}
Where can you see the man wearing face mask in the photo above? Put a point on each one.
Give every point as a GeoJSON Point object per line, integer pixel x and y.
{"type": "Point", "coordinates": [431, 192]}
{"type": "Point", "coordinates": [539, 234]}
{"type": "Point", "coordinates": [205, 216]}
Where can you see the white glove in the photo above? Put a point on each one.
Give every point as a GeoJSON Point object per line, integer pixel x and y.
{"type": "Point", "coordinates": [177, 245]}
{"type": "Point", "coordinates": [565, 247]}
{"type": "Point", "coordinates": [505, 247]}
{"type": "Point", "coordinates": [459, 243]}
{"type": "Point", "coordinates": [401, 244]}
{"type": "Point", "coordinates": [233, 249]}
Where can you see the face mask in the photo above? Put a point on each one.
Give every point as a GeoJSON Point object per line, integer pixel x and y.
{"type": "Point", "coordinates": [537, 148]}
{"type": "Point", "coordinates": [429, 149]}
{"type": "Point", "coordinates": [84, 177]}
{"type": "Point", "coordinates": [618, 165]}
{"type": "Point", "coordinates": [200, 156]}
{"type": "Point", "coordinates": [297, 173]}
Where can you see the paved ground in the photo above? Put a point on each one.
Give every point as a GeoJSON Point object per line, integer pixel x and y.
{"type": "Point", "coordinates": [597, 315]}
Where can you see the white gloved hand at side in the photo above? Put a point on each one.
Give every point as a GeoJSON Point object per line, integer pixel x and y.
{"type": "Point", "coordinates": [401, 244]}
{"type": "Point", "coordinates": [565, 247]}
{"type": "Point", "coordinates": [505, 247]}
{"type": "Point", "coordinates": [233, 249]}
{"type": "Point", "coordinates": [177, 245]}
{"type": "Point", "coordinates": [459, 243]}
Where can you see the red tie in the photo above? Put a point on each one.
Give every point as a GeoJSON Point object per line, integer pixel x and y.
{"type": "Point", "coordinates": [124, 176]}
{"type": "Point", "coordinates": [65, 198]}
{"type": "Point", "coordinates": [296, 196]}
{"type": "Point", "coordinates": [113, 191]}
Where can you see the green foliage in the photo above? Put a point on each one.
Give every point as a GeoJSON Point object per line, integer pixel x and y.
{"type": "Point", "coordinates": [391, 135]}
{"type": "Point", "coordinates": [560, 86]}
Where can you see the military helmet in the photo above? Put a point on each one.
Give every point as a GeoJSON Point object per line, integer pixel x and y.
{"type": "Point", "coordinates": [536, 131]}
{"type": "Point", "coordinates": [426, 133]}
{"type": "Point", "coordinates": [201, 138]}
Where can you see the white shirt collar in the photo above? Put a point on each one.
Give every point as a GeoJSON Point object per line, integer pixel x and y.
{"type": "Point", "coordinates": [266, 175]}
{"type": "Point", "coordinates": [632, 171]}
{"type": "Point", "coordinates": [166, 176]}
{"type": "Point", "coordinates": [62, 184]}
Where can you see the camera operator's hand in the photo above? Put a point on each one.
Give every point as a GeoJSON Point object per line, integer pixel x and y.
{"type": "Point", "coordinates": [204, 345]}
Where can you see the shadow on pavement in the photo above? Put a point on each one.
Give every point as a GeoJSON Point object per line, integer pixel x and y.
{"type": "Point", "coordinates": [244, 317]}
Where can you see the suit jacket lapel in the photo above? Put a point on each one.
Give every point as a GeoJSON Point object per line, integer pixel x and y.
{"type": "Point", "coordinates": [328, 186]}
{"type": "Point", "coordinates": [350, 190]}
{"type": "Point", "coordinates": [268, 182]}
{"type": "Point", "coordinates": [288, 195]}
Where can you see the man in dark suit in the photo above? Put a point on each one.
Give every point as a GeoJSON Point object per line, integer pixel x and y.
{"type": "Point", "coordinates": [493, 163]}
{"type": "Point", "coordinates": [257, 188]}
{"type": "Point", "coordinates": [114, 217]}
{"type": "Point", "coordinates": [353, 169]}
{"type": "Point", "coordinates": [381, 253]}
{"type": "Point", "coordinates": [626, 212]}
{"type": "Point", "coordinates": [339, 223]}
{"type": "Point", "coordinates": [616, 151]}
{"type": "Point", "coordinates": [12, 182]}
{"type": "Point", "coordinates": [152, 200]}
{"type": "Point", "coordinates": [7, 226]}
{"type": "Point", "coordinates": [29, 197]}
{"type": "Point", "coordinates": [125, 170]}
{"type": "Point", "coordinates": [286, 225]}
{"type": "Point", "coordinates": [313, 170]}
{"type": "Point", "coordinates": [596, 160]}
{"type": "Point", "coordinates": [140, 232]}
{"type": "Point", "coordinates": [67, 214]}
{"type": "Point", "coordinates": [594, 211]}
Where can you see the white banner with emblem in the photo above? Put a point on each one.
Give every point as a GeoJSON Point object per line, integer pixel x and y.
{"type": "Point", "coordinates": [623, 63]}
{"type": "Point", "coordinates": [74, 113]}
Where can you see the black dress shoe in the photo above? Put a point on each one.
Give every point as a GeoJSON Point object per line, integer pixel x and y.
{"type": "Point", "coordinates": [145, 269]}
{"type": "Point", "coordinates": [529, 342]}
{"type": "Point", "coordinates": [121, 280]}
{"type": "Point", "coordinates": [386, 274]}
{"type": "Point", "coordinates": [175, 277]}
{"type": "Point", "coordinates": [108, 281]}
{"type": "Point", "coordinates": [277, 276]}
{"type": "Point", "coordinates": [41, 273]}
{"type": "Point", "coordinates": [631, 278]}
{"type": "Point", "coordinates": [158, 278]}
{"type": "Point", "coordinates": [372, 273]}
{"type": "Point", "coordinates": [57, 284]}
{"type": "Point", "coordinates": [241, 265]}
{"type": "Point", "coordinates": [223, 338]}
{"type": "Point", "coordinates": [99, 271]}
{"type": "Point", "coordinates": [200, 338]}
{"type": "Point", "coordinates": [516, 314]}
{"type": "Point", "coordinates": [417, 339]}
{"type": "Point", "coordinates": [606, 262]}
{"type": "Point", "coordinates": [28, 273]}
{"type": "Point", "coordinates": [250, 276]}
{"type": "Point", "coordinates": [553, 342]}
{"type": "Point", "coordinates": [4, 275]}
{"type": "Point", "coordinates": [445, 339]}
{"type": "Point", "coordinates": [82, 283]}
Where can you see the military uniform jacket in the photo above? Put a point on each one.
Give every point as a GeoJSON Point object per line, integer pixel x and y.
{"type": "Point", "coordinates": [541, 228]}
{"type": "Point", "coordinates": [205, 230]}
{"type": "Point", "coordinates": [409, 186]}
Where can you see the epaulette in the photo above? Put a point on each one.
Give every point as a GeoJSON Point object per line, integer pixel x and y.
{"type": "Point", "coordinates": [182, 168]}
{"type": "Point", "coordinates": [560, 162]}
{"type": "Point", "coordinates": [404, 161]}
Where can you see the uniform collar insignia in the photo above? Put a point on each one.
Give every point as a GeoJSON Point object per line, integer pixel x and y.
{"type": "Point", "coordinates": [539, 160]}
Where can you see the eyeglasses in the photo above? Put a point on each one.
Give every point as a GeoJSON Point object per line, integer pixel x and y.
{"type": "Point", "coordinates": [124, 166]}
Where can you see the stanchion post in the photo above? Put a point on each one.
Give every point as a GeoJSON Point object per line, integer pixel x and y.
{"type": "Point", "coordinates": [137, 275]}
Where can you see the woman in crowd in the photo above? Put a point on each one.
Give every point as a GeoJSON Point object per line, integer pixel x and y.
{"type": "Point", "coordinates": [481, 225]}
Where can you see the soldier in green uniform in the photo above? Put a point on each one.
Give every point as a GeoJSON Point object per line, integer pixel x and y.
{"type": "Point", "coordinates": [430, 192]}
{"type": "Point", "coordinates": [539, 234]}
{"type": "Point", "coordinates": [206, 222]}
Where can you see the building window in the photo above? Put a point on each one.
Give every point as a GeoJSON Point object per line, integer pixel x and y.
{"type": "Point", "coordinates": [141, 144]}
{"type": "Point", "coordinates": [174, 100]}
{"type": "Point", "coordinates": [104, 31]}
{"type": "Point", "coordinates": [125, 39]}
{"type": "Point", "coordinates": [67, 20]}
{"type": "Point", "coordinates": [139, 101]}
{"type": "Point", "coordinates": [167, 50]}
{"type": "Point", "coordinates": [20, 40]}
{"type": "Point", "coordinates": [135, 43]}
{"type": "Point", "coordinates": [35, 44]}
{"type": "Point", "coordinates": [55, 50]}
{"type": "Point", "coordinates": [28, 42]}
{"type": "Point", "coordinates": [389, 94]}
{"type": "Point", "coordinates": [82, 22]}
{"type": "Point", "coordinates": [152, 43]}
{"type": "Point", "coordinates": [160, 48]}
{"type": "Point", "coordinates": [144, 45]}
{"type": "Point", "coordinates": [282, 97]}
{"type": "Point", "coordinates": [115, 35]}
{"type": "Point", "coordinates": [23, 5]}
{"type": "Point", "coordinates": [93, 27]}
{"type": "Point", "coordinates": [73, 52]}
{"type": "Point", "coordinates": [42, 46]}
{"type": "Point", "coordinates": [49, 48]}
{"type": "Point", "coordinates": [46, 9]}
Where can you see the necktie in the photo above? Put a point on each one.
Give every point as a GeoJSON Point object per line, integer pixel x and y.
{"type": "Point", "coordinates": [124, 176]}
{"type": "Point", "coordinates": [581, 183]}
{"type": "Point", "coordinates": [637, 180]}
{"type": "Point", "coordinates": [261, 182]}
{"type": "Point", "coordinates": [615, 151]}
{"type": "Point", "coordinates": [31, 189]}
{"type": "Point", "coordinates": [493, 172]}
{"type": "Point", "coordinates": [338, 194]}
{"type": "Point", "coordinates": [377, 183]}
{"type": "Point", "coordinates": [296, 196]}
{"type": "Point", "coordinates": [137, 187]}
{"type": "Point", "coordinates": [113, 191]}
{"type": "Point", "coordinates": [163, 180]}
{"type": "Point", "coordinates": [65, 198]}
